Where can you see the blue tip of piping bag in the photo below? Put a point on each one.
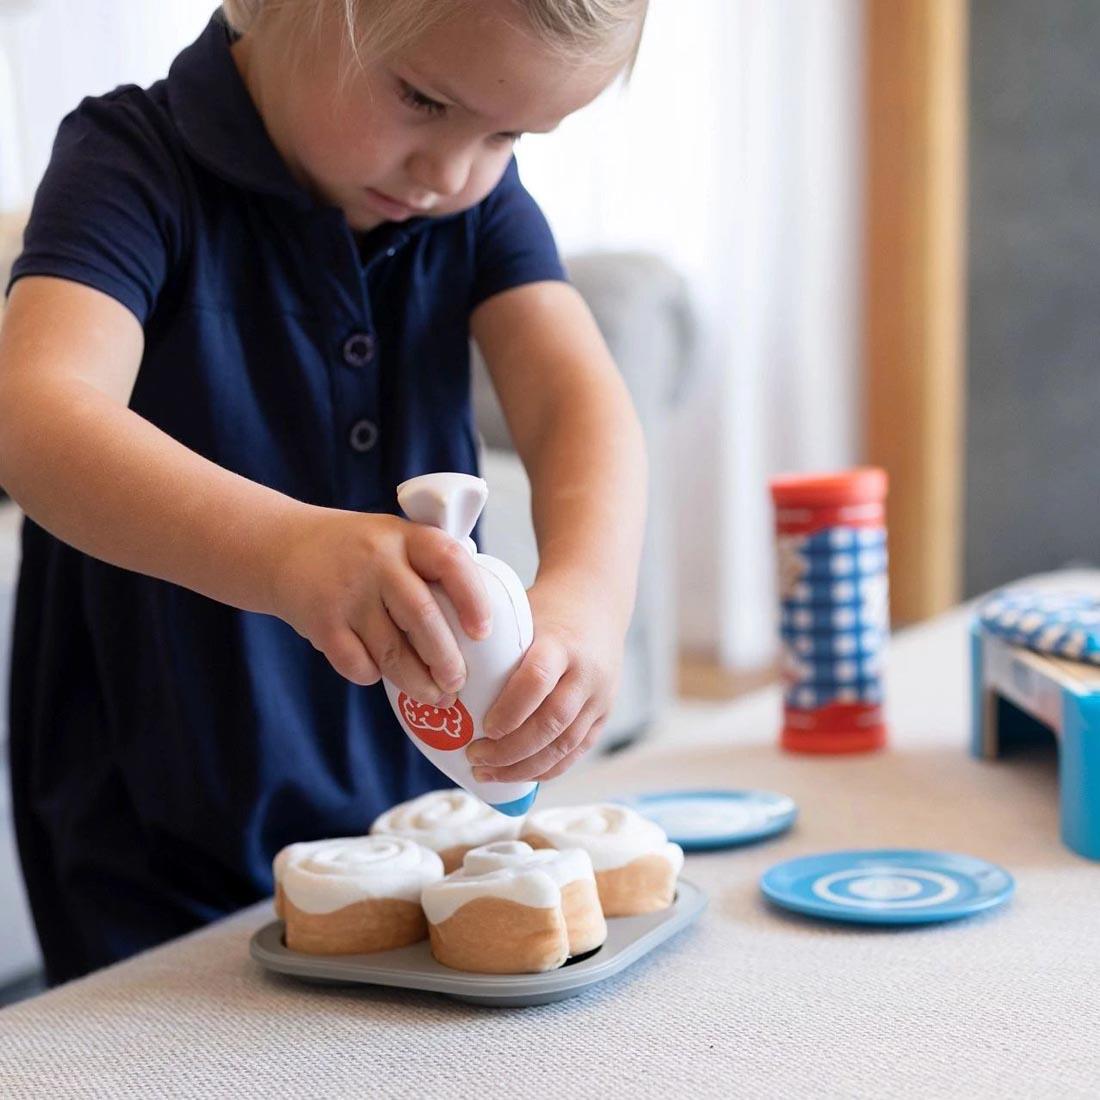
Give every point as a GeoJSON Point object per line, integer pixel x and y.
{"type": "Point", "coordinates": [519, 806]}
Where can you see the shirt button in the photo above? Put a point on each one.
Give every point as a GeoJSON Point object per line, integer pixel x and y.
{"type": "Point", "coordinates": [364, 435]}
{"type": "Point", "coordinates": [358, 349]}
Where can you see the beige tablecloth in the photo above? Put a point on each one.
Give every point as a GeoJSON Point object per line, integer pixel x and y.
{"type": "Point", "coordinates": [750, 1002]}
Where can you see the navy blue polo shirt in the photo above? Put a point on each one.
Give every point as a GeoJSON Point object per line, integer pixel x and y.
{"type": "Point", "coordinates": [165, 746]}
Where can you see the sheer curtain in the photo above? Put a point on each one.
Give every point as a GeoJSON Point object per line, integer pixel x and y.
{"type": "Point", "coordinates": [734, 153]}
{"type": "Point", "coordinates": [58, 51]}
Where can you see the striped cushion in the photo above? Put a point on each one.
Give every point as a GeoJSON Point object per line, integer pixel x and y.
{"type": "Point", "coordinates": [1062, 623]}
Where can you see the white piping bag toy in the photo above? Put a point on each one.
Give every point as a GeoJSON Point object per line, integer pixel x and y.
{"type": "Point", "coordinates": [453, 503]}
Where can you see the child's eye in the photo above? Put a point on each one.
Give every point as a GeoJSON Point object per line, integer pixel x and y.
{"type": "Point", "coordinates": [420, 102]}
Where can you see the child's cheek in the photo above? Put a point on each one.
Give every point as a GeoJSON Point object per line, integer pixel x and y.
{"type": "Point", "coordinates": [313, 130]}
{"type": "Point", "coordinates": [484, 176]}
{"type": "Point", "coordinates": [341, 146]}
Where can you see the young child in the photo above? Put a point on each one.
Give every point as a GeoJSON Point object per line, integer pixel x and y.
{"type": "Point", "coordinates": [241, 319]}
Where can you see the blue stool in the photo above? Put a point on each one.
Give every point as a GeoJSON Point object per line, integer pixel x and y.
{"type": "Point", "coordinates": [1064, 696]}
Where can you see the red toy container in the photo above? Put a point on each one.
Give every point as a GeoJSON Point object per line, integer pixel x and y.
{"type": "Point", "coordinates": [834, 617]}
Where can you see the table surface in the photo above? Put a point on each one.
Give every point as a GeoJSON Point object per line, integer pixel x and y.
{"type": "Point", "coordinates": [750, 1002]}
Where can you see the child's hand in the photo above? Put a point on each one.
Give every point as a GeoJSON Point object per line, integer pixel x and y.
{"type": "Point", "coordinates": [555, 704]}
{"type": "Point", "coordinates": [356, 586]}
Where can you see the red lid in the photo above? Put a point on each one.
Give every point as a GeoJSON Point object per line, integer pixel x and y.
{"type": "Point", "coordinates": [864, 485]}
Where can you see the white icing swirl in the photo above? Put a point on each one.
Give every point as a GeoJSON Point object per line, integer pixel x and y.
{"type": "Point", "coordinates": [447, 819]}
{"type": "Point", "coordinates": [295, 851]}
{"type": "Point", "coordinates": [511, 870]}
{"type": "Point", "coordinates": [612, 835]}
{"type": "Point", "coordinates": [325, 875]}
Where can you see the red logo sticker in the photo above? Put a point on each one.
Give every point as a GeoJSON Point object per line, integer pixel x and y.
{"type": "Point", "coordinates": [447, 729]}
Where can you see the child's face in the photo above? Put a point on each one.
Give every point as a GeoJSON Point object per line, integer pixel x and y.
{"type": "Point", "coordinates": [427, 132]}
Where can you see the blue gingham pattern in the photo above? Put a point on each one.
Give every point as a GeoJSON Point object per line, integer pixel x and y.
{"type": "Point", "coordinates": [1063, 623]}
{"type": "Point", "coordinates": [833, 615]}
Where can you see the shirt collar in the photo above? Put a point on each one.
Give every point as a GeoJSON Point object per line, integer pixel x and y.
{"type": "Point", "coordinates": [219, 123]}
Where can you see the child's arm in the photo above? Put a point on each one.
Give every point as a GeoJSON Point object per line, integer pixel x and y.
{"type": "Point", "coordinates": [576, 432]}
{"type": "Point", "coordinates": [105, 480]}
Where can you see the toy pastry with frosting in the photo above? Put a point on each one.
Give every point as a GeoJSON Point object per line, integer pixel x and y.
{"type": "Point", "coordinates": [353, 894]}
{"type": "Point", "coordinates": [296, 851]}
{"type": "Point", "coordinates": [449, 822]}
{"type": "Point", "coordinates": [636, 866]}
{"type": "Point", "coordinates": [512, 910]}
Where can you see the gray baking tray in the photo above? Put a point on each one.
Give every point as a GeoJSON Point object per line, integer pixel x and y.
{"type": "Point", "coordinates": [628, 939]}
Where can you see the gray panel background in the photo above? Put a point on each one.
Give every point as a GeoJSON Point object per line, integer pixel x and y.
{"type": "Point", "coordinates": [1033, 417]}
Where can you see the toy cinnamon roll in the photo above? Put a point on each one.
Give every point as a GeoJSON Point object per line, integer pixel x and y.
{"type": "Point", "coordinates": [512, 910]}
{"type": "Point", "coordinates": [355, 894]}
{"type": "Point", "coordinates": [449, 822]}
{"type": "Point", "coordinates": [296, 851]}
{"type": "Point", "coordinates": [636, 866]}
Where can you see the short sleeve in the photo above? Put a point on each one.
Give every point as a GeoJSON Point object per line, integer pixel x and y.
{"type": "Point", "coordinates": [108, 211]}
{"type": "Point", "coordinates": [514, 241]}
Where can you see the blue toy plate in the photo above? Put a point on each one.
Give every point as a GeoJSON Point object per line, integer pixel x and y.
{"type": "Point", "coordinates": [702, 820]}
{"type": "Point", "coordinates": [888, 886]}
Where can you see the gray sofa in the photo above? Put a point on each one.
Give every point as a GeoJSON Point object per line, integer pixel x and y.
{"type": "Point", "coordinates": [642, 308]}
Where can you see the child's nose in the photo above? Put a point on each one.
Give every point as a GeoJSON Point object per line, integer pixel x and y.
{"type": "Point", "coordinates": [443, 173]}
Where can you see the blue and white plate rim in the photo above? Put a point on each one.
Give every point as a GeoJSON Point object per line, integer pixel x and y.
{"type": "Point", "coordinates": [782, 817]}
{"type": "Point", "coordinates": [832, 861]}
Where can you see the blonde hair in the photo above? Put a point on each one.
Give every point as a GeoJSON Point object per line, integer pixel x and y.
{"type": "Point", "coordinates": [580, 29]}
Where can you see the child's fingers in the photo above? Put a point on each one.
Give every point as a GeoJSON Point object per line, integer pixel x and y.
{"type": "Point", "coordinates": [537, 676]}
{"type": "Point", "coordinates": [550, 722]}
{"type": "Point", "coordinates": [347, 654]}
{"type": "Point", "coordinates": [567, 762]}
{"type": "Point", "coordinates": [539, 734]}
{"type": "Point", "coordinates": [544, 759]}
{"type": "Point", "coordinates": [416, 611]}
{"type": "Point", "coordinates": [395, 658]}
{"type": "Point", "coordinates": [437, 557]}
